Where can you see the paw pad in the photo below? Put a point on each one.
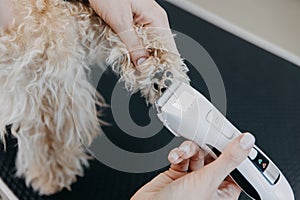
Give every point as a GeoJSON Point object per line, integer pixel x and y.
{"type": "Point", "coordinates": [161, 80]}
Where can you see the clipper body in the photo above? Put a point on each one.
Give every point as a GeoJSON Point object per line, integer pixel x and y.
{"type": "Point", "coordinates": [187, 113]}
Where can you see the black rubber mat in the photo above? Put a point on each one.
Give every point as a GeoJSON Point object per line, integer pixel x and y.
{"type": "Point", "coordinates": [263, 94]}
{"type": "Point", "coordinates": [7, 170]}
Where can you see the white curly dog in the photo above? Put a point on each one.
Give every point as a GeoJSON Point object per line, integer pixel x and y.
{"type": "Point", "coordinates": [46, 98]}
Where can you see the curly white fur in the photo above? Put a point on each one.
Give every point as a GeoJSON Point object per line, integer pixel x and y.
{"type": "Point", "coordinates": [143, 78]}
{"type": "Point", "coordinates": [44, 89]}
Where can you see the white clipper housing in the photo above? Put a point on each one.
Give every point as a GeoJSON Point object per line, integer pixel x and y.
{"type": "Point", "coordinates": [187, 113]}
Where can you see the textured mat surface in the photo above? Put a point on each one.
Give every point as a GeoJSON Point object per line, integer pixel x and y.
{"type": "Point", "coordinates": [263, 97]}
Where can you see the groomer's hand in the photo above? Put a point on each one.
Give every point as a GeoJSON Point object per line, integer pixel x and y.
{"type": "Point", "coordinates": [122, 15]}
{"type": "Point", "coordinates": [194, 176]}
{"type": "Point", "coordinates": [6, 14]}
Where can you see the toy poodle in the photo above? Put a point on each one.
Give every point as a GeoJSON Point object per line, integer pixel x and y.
{"type": "Point", "coordinates": [46, 98]}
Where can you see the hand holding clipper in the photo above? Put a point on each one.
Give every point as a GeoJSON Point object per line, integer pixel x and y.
{"type": "Point", "coordinates": [187, 113]}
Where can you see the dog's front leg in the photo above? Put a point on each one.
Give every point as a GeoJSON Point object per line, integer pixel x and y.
{"type": "Point", "coordinates": [47, 163]}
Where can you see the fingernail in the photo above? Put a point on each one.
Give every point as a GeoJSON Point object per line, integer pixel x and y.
{"type": "Point", "coordinates": [174, 156]}
{"type": "Point", "coordinates": [185, 148]}
{"type": "Point", "coordinates": [140, 61]}
{"type": "Point", "coordinates": [247, 141]}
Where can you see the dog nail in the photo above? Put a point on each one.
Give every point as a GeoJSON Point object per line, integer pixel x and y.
{"type": "Point", "coordinates": [140, 61]}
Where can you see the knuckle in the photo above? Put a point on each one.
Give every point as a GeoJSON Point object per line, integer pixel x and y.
{"type": "Point", "coordinates": [188, 142]}
{"type": "Point", "coordinates": [162, 13]}
{"type": "Point", "coordinates": [158, 11]}
{"type": "Point", "coordinates": [121, 23]}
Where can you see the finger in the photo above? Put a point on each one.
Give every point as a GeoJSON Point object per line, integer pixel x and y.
{"type": "Point", "coordinates": [229, 189]}
{"type": "Point", "coordinates": [235, 153]}
{"type": "Point", "coordinates": [149, 12]}
{"type": "Point", "coordinates": [197, 161]}
{"type": "Point", "coordinates": [156, 22]}
{"type": "Point", "coordinates": [188, 156]}
{"type": "Point", "coordinates": [208, 159]}
{"type": "Point", "coordinates": [124, 28]}
{"type": "Point", "coordinates": [186, 150]}
{"type": "Point", "coordinates": [6, 15]}
{"type": "Point", "coordinates": [183, 166]}
{"type": "Point", "coordinates": [137, 51]}
{"type": "Point", "coordinates": [174, 156]}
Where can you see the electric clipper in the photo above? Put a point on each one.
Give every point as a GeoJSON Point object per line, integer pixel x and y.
{"type": "Point", "coordinates": [187, 113]}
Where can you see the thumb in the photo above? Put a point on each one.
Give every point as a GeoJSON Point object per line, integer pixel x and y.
{"type": "Point", "coordinates": [127, 34]}
{"type": "Point", "coordinates": [157, 184]}
{"type": "Point", "coordinates": [233, 155]}
{"type": "Point", "coordinates": [120, 18]}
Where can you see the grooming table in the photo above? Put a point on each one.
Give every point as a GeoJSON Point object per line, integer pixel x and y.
{"type": "Point", "coordinates": [263, 97]}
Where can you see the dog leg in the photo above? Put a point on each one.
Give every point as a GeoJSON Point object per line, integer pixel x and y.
{"type": "Point", "coordinates": [156, 73]}
{"type": "Point", "coordinates": [45, 93]}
